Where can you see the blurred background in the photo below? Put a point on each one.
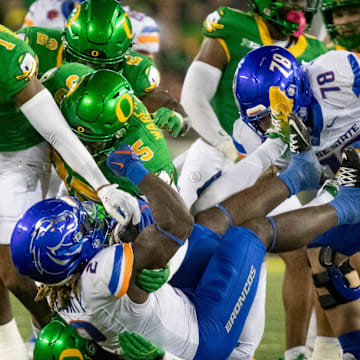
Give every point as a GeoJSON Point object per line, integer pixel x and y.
{"type": "Point", "coordinates": [180, 25]}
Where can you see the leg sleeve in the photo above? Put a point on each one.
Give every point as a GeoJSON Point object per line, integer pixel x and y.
{"type": "Point", "coordinates": [226, 292]}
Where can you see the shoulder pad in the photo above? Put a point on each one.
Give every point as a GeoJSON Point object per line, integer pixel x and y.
{"type": "Point", "coordinates": [224, 21]}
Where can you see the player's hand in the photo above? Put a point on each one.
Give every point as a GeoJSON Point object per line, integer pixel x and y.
{"type": "Point", "coordinates": [120, 205]}
{"type": "Point", "coordinates": [124, 162]}
{"type": "Point", "coordinates": [228, 148]}
{"type": "Point", "coordinates": [146, 215]}
{"type": "Point", "coordinates": [171, 121]}
{"type": "Point", "coordinates": [135, 347]}
{"type": "Point", "coordinates": [151, 280]}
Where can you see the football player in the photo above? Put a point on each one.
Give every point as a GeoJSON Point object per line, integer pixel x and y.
{"type": "Point", "coordinates": [24, 164]}
{"type": "Point", "coordinates": [49, 13]}
{"type": "Point", "coordinates": [107, 45]}
{"type": "Point", "coordinates": [207, 322]}
{"type": "Point", "coordinates": [229, 35]}
{"type": "Point", "coordinates": [342, 19]}
{"type": "Point", "coordinates": [102, 110]}
{"type": "Point", "coordinates": [53, 14]}
{"type": "Point", "coordinates": [320, 95]}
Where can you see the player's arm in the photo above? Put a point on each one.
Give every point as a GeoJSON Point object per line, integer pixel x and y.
{"type": "Point", "coordinates": [40, 109]}
{"type": "Point", "coordinates": [168, 113]}
{"type": "Point", "coordinates": [157, 243]}
{"type": "Point", "coordinates": [195, 96]}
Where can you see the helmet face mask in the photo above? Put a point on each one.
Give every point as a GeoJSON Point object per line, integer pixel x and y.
{"type": "Point", "coordinates": [279, 12]}
{"type": "Point", "coordinates": [56, 238]}
{"type": "Point", "coordinates": [344, 33]}
{"type": "Point", "coordinates": [98, 34]}
{"type": "Point", "coordinates": [264, 70]}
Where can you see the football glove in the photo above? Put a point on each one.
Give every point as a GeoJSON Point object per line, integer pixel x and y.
{"type": "Point", "coordinates": [124, 162]}
{"type": "Point", "coordinates": [171, 121]}
{"type": "Point", "coordinates": [135, 347]}
{"type": "Point", "coordinates": [228, 148]}
{"type": "Point", "coordinates": [151, 280]}
{"type": "Point", "coordinates": [120, 205]}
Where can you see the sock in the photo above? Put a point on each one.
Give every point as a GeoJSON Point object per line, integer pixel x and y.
{"type": "Point", "coordinates": [350, 343]}
{"type": "Point", "coordinates": [303, 172]}
{"type": "Point", "coordinates": [293, 353]}
{"type": "Point", "coordinates": [346, 203]}
{"type": "Point", "coordinates": [11, 344]}
{"type": "Point", "coordinates": [326, 348]}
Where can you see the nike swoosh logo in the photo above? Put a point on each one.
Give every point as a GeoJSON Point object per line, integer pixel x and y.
{"type": "Point", "coordinates": [332, 123]}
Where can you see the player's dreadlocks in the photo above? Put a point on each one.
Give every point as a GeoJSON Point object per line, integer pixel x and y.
{"type": "Point", "coordinates": [59, 295]}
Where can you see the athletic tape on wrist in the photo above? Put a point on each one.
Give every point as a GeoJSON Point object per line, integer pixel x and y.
{"type": "Point", "coordinates": [273, 243]}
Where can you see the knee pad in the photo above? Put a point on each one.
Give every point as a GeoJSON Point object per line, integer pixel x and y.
{"type": "Point", "coordinates": [334, 280]}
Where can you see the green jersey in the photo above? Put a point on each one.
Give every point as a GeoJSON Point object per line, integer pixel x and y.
{"type": "Point", "coordinates": [238, 33]}
{"type": "Point", "coordinates": [144, 137]}
{"type": "Point", "coordinates": [139, 70]}
{"type": "Point", "coordinates": [18, 66]}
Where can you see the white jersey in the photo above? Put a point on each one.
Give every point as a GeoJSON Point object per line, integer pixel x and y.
{"type": "Point", "coordinates": [145, 32]}
{"type": "Point", "coordinates": [335, 82]}
{"type": "Point", "coordinates": [48, 13]}
{"type": "Point", "coordinates": [103, 310]}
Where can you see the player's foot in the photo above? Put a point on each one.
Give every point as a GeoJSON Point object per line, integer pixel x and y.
{"type": "Point", "coordinates": [347, 201]}
{"type": "Point", "coordinates": [304, 170]}
{"type": "Point", "coordinates": [300, 140]}
{"type": "Point", "coordinates": [349, 172]}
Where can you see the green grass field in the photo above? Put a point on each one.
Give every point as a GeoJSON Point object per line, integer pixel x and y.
{"type": "Point", "coordinates": [273, 342]}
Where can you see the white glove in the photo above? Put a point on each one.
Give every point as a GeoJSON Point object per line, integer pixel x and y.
{"type": "Point", "coordinates": [120, 205]}
{"type": "Point", "coordinates": [227, 147]}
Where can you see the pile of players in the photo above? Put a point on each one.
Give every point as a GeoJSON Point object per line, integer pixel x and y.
{"type": "Point", "coordinates": [172, 265]}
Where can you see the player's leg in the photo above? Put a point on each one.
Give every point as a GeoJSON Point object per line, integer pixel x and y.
{"type": "Point", "coordinates": [303, 172]}
{"type": "Point", "coordinates": [11, 343]}
{"type": "Point", "coordinates": [226, 291]}
{"type": "Point", "coordinates": [203, 165]}
{"type": "Point", "coordinates": [23, 178]}
{"type": "Point", "coordinates": [326, 345]}
{"type": "Point", "coordinates": [297, 294]}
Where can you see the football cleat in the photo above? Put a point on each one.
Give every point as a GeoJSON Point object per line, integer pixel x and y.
{"type": "Point", "coordinates": [349, 172]}
{"type": "Point", "coordinates": [300, 140]}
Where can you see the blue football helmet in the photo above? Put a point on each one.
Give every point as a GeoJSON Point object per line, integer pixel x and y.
{"type": "Point", "coordinates": [260, 70]}
{"type": "Point", "coordinates": [57, 237]}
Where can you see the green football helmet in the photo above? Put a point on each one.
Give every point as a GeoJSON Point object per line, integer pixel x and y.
{"type": "Point", "coordinates": [277, 10]}
{"type": "Point", "coordinates": [97, 109]}
{"type": "Point", "coordinates": [60, 341]}
{"type": "Point", "coordinates": [346, 35]}
{"type": "Point", "coordinates": [98, 34]}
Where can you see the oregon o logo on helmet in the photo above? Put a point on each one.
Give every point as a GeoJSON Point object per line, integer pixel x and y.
{"type": "Point", "coordinates": [80, 129]}
{"type": "Point", "coordinates": [71, 353]}
{"type": "Point", "coordinates": [94, 53]}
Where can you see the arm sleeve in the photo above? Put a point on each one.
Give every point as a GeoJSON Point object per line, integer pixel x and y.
{"type": "Point", "coordinates": [44, 115]}
{"type": "Point", "coordinates": [196, 97]}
